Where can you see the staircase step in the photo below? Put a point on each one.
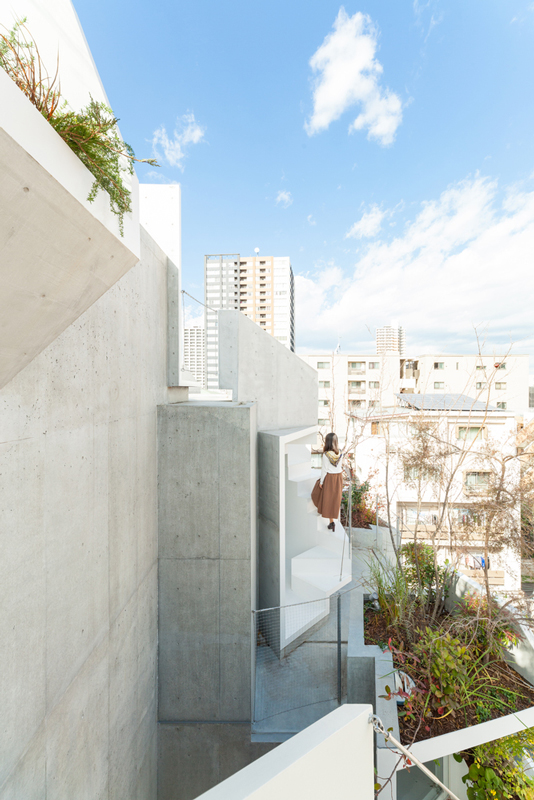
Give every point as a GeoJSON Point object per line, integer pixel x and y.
{"type": "Point", "coordinates": [303, 472]}
{"type": "Point", "coordinates": [314, 586]}
{"type": "Point", "coordinates": [313, 555]}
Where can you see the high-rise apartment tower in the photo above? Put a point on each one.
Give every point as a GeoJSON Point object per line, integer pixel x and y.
{"type": "Point", "coordinates": [390, 339]}
{"type": "Point", "coordinates": [195, 351]}
{"type": "Point", "coordinates": [262, 287]}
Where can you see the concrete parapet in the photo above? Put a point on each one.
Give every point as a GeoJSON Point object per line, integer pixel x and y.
{"type": "Point", "coordinates": [257, 367]}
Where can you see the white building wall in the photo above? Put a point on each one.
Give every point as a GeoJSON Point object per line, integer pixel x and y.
{"type": "Point", "coordinates": [340, 395]}
{"type": "Point", "coordinates": [477, 376]}
{"type": "Point", "coordinates": [195, 352]}
{"type": "Point", "coordinates": [392, 431]}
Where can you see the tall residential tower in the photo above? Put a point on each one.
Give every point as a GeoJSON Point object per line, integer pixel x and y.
{"type": "Point", "coordinates": [390, 339]}
{"type": "Point", "coordinates": [262, 287]}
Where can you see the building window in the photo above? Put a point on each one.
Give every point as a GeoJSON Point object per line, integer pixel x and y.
{"type": "Point", "coordinates": [477, 480]}
{"type": "Point", "coordinates": [439, 365]}
{"type": "Point", "coordinates": [481, 366]}
{"type": "Point", "coordinates": [324, 402]}
{"type": "Point", "coordinates": [468, 433]}
{"type": "Point", "coordinates": [374, 384]}
{"type": "Point", "coordinates": [500, 385]}
{"type": "Point", "coordinates": [356, 385]}
{"type": "Point", "coordinates": [324, 384]}
{"type": "Point", "coordinates": [316, 460]}
{"type": "Point", "coordinates": [323, 365]}
{"type": "Point", "coordinates": [375, 429]}
{"type": "Point", "coordinates": [357, 403]}
{"type": "Point", "coordinates": [481, 385]}
{"type": "Point", "coordinates": [373, 403]}
{"type": "Point", "coordinates": [502, 406]}
{"type": "Point", "coordinates": [439, 385]}
{"type": "Point", "coordinates": [374, 365]}
{"type": "Point", "coordinates": [356, 364]}
{"type": "Point", "coordinates": [323, 422]}
{"type": "Point", "coordinates": [502, 365]}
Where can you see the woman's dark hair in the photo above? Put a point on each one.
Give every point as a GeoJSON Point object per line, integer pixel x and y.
{"type": "Point", "coordinates": [330, 443]}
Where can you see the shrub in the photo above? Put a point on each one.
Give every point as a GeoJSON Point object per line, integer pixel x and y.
{"type": "Point", "coordinates": [91, 133]}
{"type": "Point", "coordinates": [496, 768]}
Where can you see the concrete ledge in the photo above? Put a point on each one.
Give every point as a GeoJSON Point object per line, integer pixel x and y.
{"type": "Point", "coordinates": [58, 253]}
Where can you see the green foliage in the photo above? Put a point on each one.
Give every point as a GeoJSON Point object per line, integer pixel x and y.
{"type": "Point", "coordinates": [497, 770]}
{"type": "Point", "coordinates": [91, 133]}
{"type": "Point", "coordinates": [448, 666]}
{"type": "Point", "coordinates": [493, 631]}
{"type": "Point", "coordinates": [423, 576]}
{"type": "Point", "coordinates": [363, 514]}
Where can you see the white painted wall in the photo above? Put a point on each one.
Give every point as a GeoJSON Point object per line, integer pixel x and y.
{"type": "Point", "coordinates": [333, 758]}
{"type": "Point", "coordinates": [460, 375]}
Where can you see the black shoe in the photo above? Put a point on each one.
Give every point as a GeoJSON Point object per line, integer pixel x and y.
{"type": "Point", "coordinates": [332, 526]}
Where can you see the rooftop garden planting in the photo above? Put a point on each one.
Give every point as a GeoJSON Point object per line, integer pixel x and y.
{"type": "Point", "coordinates": [455, 661]}
{"type": "Point", "coordinates": [91, 132]}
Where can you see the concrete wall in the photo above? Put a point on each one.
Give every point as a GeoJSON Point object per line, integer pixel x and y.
{"type": "Point", "coordinates": [207, 587]}
{"type": "Point", "coordinates": [257, 367]}
{"type": "Point", "coordinates": [331, 758]}
{"type": "Point", "coordinates": [78, 574]}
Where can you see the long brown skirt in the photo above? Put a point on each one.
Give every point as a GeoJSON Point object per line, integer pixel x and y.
{"type": "Point", "coordinates": [327, 499]}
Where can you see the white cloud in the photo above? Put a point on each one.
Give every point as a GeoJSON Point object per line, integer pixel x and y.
{"type": "Point", "coordinates": [284, 199]}
{"type": "Point", "coordinates": [311, 220]}
{"type": "Point", "coordinates": [465, 260]}
{"type": "Point", "coordinates": [187, 131]}
{"type": "Point", "coordinates": [349, 74]}
{"type": "Point", "coordinates": [194, 315]}
{"type": "Point", "coordinates": [369, 225]}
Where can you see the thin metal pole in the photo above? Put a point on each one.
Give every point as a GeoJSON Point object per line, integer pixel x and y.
{"type": "Point", "coordinates": [379, 728]}
{"type": "Point", "coordinates": [350, 517]}
{"type": "Point", "coordinates": [339, 649]}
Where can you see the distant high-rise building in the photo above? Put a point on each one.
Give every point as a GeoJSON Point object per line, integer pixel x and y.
{"type": "Point", "coordinates": [391, 339]}
{"type": "Point", "coordinates": [195, 351]}
{"type": "Point", "coordinates": [262, 287]}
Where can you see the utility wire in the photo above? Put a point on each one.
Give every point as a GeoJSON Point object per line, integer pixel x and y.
{"type": "Point", "coordinates": [199, 301]}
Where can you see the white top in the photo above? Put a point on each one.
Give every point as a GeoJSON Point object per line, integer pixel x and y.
{"type": "Point", "coordinates": [327, 466]}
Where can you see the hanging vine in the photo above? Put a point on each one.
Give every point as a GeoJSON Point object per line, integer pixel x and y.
{"type": "Point", "coordinates": [91, 133]}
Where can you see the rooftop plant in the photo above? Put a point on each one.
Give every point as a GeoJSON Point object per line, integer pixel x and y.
{"type": "Point", "coordinates": [456, 660]}
{"type": "Point", "coordinates": [496, 768]}
{"type": "Point", "coordinates": [91, 133]}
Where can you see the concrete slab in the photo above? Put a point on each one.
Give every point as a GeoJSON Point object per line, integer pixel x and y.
{"type": "Point", "coordinates": [221, 749]}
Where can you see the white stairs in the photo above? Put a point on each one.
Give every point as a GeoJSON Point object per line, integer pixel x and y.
{"type": "Point", "coordinates": [325, 567]}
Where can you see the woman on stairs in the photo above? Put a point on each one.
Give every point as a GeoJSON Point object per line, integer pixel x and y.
{"type": "Point", "coordinates": [326, 494]}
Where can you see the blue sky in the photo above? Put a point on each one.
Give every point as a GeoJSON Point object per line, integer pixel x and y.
{"type": "Point", "coordinates": [388, 148]}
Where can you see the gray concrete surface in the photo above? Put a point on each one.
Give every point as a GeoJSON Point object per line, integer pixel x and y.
{"type": "Point", "coordinates": [78, 574]}
{"type": "Point", "coordinates": [207, 570]}
{"type": "Point", "coordinates": [216, 751]}
{"type": "Point", "coordinates": [56, 258]}
{"type": "Point", "coordinates": [207, 588]}
{"type": "Point", "coordinates": [257, 367]}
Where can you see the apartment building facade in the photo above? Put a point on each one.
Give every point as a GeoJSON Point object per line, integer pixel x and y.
{"type": "Point", "coordinates": [445, 498]}
{"type": "Point", "coordinates": [262, 287]}
{"type": "Point", "coordinates": [502, 380]}
{"type": "Point", "coordinates": [391, 339]}
{"type": "Point", "coordinates": [360, 385]}
{"type": "Point", "coordinates": [195, 352]}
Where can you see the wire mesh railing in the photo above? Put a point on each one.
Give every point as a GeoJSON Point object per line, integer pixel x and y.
{"type": "Point", "coordinates": [300, 671]}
